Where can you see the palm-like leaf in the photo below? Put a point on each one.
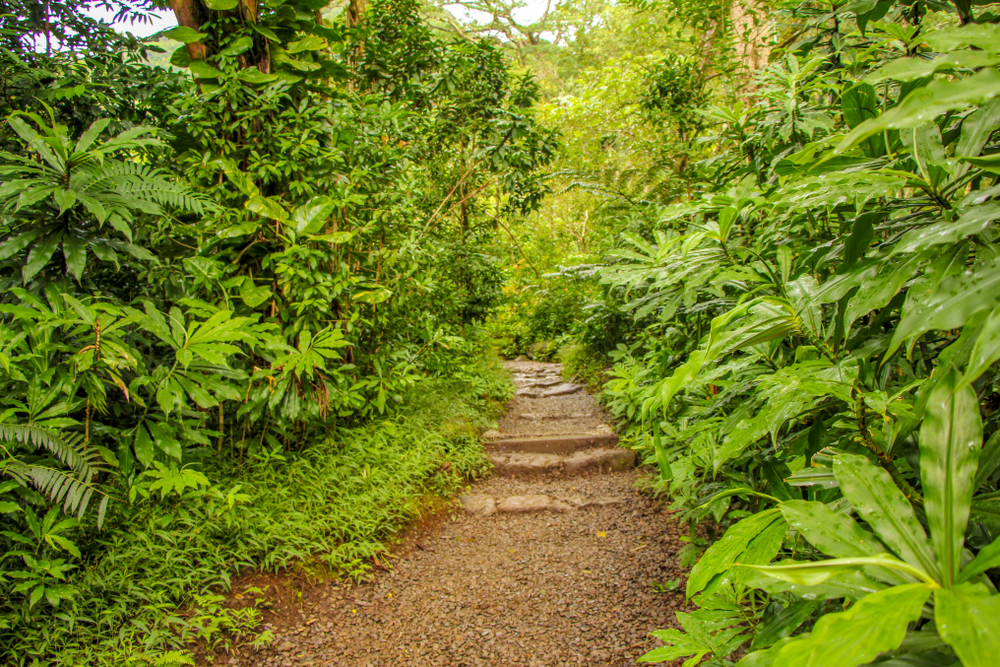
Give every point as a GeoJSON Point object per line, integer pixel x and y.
{"type": "Point", "coordinates": [66, 198]}
{"type": "Point", "coordinates": [73, 488]}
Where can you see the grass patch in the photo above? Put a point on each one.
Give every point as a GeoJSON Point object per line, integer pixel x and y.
{"type": "Point", "coordinates": [333, 506]}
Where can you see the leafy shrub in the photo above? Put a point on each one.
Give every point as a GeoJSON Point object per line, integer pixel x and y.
{"type": "Point", "coordinates": [119, 601]}
{"type": "Point", "coordinates": [819, 374]}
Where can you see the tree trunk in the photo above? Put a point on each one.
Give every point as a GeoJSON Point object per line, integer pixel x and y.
{"type": "Point", "coordinates": [354, 15]}
{"type": "Point", "coordinates": [749, 23]}
{"type": "Point", "coordinates": [190, 14]}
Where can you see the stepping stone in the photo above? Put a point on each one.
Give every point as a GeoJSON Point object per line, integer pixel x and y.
{"type": "Point", "coordinates": [479, 504]}
{"type": "Point", "coordinates": [528, 393]}
{"type": "Point", "coordinates": [531, 416]}
{"type": "Point", "coordinates": [562, 389]}
{"type": "Point", "coordinates": [554, 444]}
{"type": "Point", "coordinates": [579, 502]}
{"type": "Point", "coordinates": [600, 460]}
{"type": "Point", "coordinates": [484, 505]}
{"type": "Point", "coordinates": [525, 465]}
{"type": "Point", "coordinates": [519, 464]}
{"type": "Point", "coordinates": [532, 503]}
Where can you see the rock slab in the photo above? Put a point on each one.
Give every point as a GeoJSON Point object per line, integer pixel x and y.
{"type": "Point", "coordinates": [479, 504]}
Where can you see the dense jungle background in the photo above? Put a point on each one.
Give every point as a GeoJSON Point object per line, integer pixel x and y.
{"type": "Point", "coordinates": [259, 269]}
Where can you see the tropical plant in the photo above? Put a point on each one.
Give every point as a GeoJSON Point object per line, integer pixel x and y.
{"type": "Point", "coordinates": [814, 338]}
{"type": "Point", "coordinates": [65, 194]}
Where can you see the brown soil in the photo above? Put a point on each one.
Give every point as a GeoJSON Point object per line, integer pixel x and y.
{"type": "Point", "coordinates": [539, 590]}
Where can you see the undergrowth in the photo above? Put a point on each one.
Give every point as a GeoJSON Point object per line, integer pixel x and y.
{"type": "Point", "coordinates": [335, 504]}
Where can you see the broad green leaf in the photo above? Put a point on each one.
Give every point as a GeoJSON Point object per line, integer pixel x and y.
{"type": "Point", "coordinates": [221, 5]}
{"type": "Point", "coordinates": [762, 549]}
{"type": "Point", "coordinates": [313, 215]}
{"type": "Point", "coordinates": [987, 558]}
{"type": "Point", "coordinates": [973, 221]}
{"type": "Point", "coordinates": [240, 178]}
{"type": "Point", "coordinates": [237, 47]}
{"type": "Point", "coordinates": [908, 69]}
{"type": "Point", "coordinates": [950, 440]}
{"type": "Point", "coordinates": [203, 70]}
{"type": "Point", "coordinates": [872, 625]}
{"type": "Point", "coordinates": [16, 244]}
{"type": "Point", "coordinates": [775, 471]}
{"type": "Point", "coordinates": [984, 36]}
{"type": "Point", "coordinates": [266, 207]}
{"type": "Point", "coordinates": [254, 295]}
{"type": "Point", "coordinates": [297, 64]}
{"type": "Point", "coordinates": [8, 507]}
{"type": "Point", "coordinates": [968, 618]}
{"type": "Point", "coordinates": [985, 351]}
{"type": "Point", "coordinates": [835, 534]}
{"type": "Point", "coordinates": [306, 43]}
{"type": "Point", "coordinates": [989, 163]}
{"type": "Point", "coordinates": [197, 393]}
{"type": "Point", "coordinates": [143, 446]}
{"type": "Point", "coordinates": [927, 149]}
{"type": "Point", "coordinates": [820, 476]}
{"type": "Point", "coordinates": [164, 439]}
{"type": "Point", "coordinates": [181, 57]}
{"type": "Point", "coordinates": [186, 35]}
{"type": "Point", "coordinates": [925, 104]}
{"type": "Point", "coordinates": [723, 554]}
{"type": "Point", "coordinates": [989, 460]}
{"type": "Point", "coordinates": [858, 104]}
{"type": "Point", "coordinates": [977, 128]}
{"type": "Point", "coordinates": [36, 595]}
{"type": "Point", "coordinates": [813, 573]}
{"type": "Point", "coordinates": [880, 502]}
{"type": "Point", "coordinates": [956, 299]}
{"type": "Point", "coordinates": [266, 32]}
{"type": "Point", "coordinates": [75, 253]}
{"type": "Point", "coordinates": [706, 631]}
{"type": "Point", "coordinates": [332, 237]}
{"type": "Point", "coordinates": [784, 623]}
{"type": "Point", "coordinates": [65, 199]}
{"type": "Point", "coordinates": [39, 257]}
{"type": "Point", "coordinates": [372, 296]}
{"type": "Point", "coordinates": [856, 245]}
{"type": "Point", "coordinates": [254, 75]}
{"type": "Point", "coordinates": [169, 395]}
{"type": "Point", "coordinates": [88, 138]}
{"type": "Point", "coordinates": [801, 294]}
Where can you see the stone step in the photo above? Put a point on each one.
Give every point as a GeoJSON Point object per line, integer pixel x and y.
{"type": "Point", "coordinates": [532, 416]}
{"type": "Point", "coordinates": [554, 444]}
{"type": "Point", "coordinates": [528, 464]}
{"type": "Point", "coordinates": [481, 504]}
{"type": "Point", "coordinates": [558, 389]}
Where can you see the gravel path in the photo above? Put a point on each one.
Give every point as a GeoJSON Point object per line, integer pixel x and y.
{"type": "Point", "coordinates": [539, 589]}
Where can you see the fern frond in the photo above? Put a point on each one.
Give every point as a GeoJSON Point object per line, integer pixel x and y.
{"type": "Point", "coordinates": [146, 183]}
{"type": "Point", "coordinates": [37, 437]}
{"type": "Point", "coordinates": [73, 489]}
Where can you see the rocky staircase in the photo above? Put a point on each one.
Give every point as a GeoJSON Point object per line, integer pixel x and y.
{"type": "Point", "coordinates": [551, 428]}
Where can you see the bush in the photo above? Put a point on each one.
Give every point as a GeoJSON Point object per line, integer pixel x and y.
{"type": "Point", "coordinates": [335, 504]}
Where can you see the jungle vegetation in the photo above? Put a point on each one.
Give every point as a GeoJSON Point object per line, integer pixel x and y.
{"type": "Point", "coordinates": [279, 258]}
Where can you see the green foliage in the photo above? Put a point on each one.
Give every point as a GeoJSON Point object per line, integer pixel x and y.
{"type": "Point", "coordinates": [336, 502]}
{"type": "Point", "coordinates": [811, 361]}
{"type": "Point", "coordinates": [208, 271]}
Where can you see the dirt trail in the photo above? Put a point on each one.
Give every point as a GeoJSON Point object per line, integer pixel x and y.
{"type": "Point", "coordinates": [552, 562]}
